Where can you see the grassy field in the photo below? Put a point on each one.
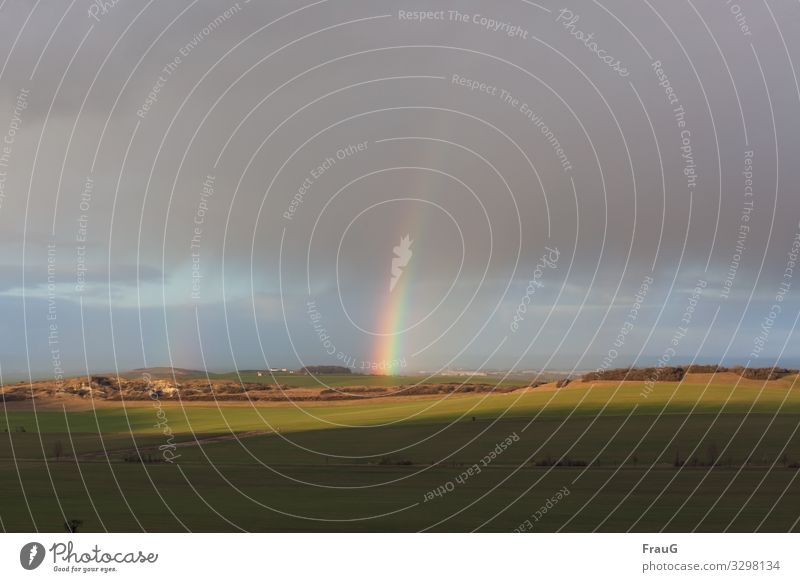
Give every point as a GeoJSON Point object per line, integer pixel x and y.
{"type": "Point", "coordinates": [686, 456]}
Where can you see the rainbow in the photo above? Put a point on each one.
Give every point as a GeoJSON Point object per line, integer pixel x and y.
{"type": "Point", "coordinates": [389, 347]}
{"type": "Point", "coordinates": [391, 324]}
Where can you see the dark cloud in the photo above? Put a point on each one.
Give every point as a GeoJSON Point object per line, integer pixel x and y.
{"type": "Point", "coordinates": [487, 137]}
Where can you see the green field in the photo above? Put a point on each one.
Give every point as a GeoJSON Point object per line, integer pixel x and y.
{"type": "Point", "coordinates": [369, 466]}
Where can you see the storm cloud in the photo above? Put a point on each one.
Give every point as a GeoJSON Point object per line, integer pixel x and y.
{"type": "Point", "coordinates": [180, 181]}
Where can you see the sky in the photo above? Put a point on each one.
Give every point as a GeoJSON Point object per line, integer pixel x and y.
{"type": "Point", "coordinates": [397, 186]}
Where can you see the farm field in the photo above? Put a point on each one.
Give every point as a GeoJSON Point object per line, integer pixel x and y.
{"type": "Point", "coordinates": [710, 453]}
